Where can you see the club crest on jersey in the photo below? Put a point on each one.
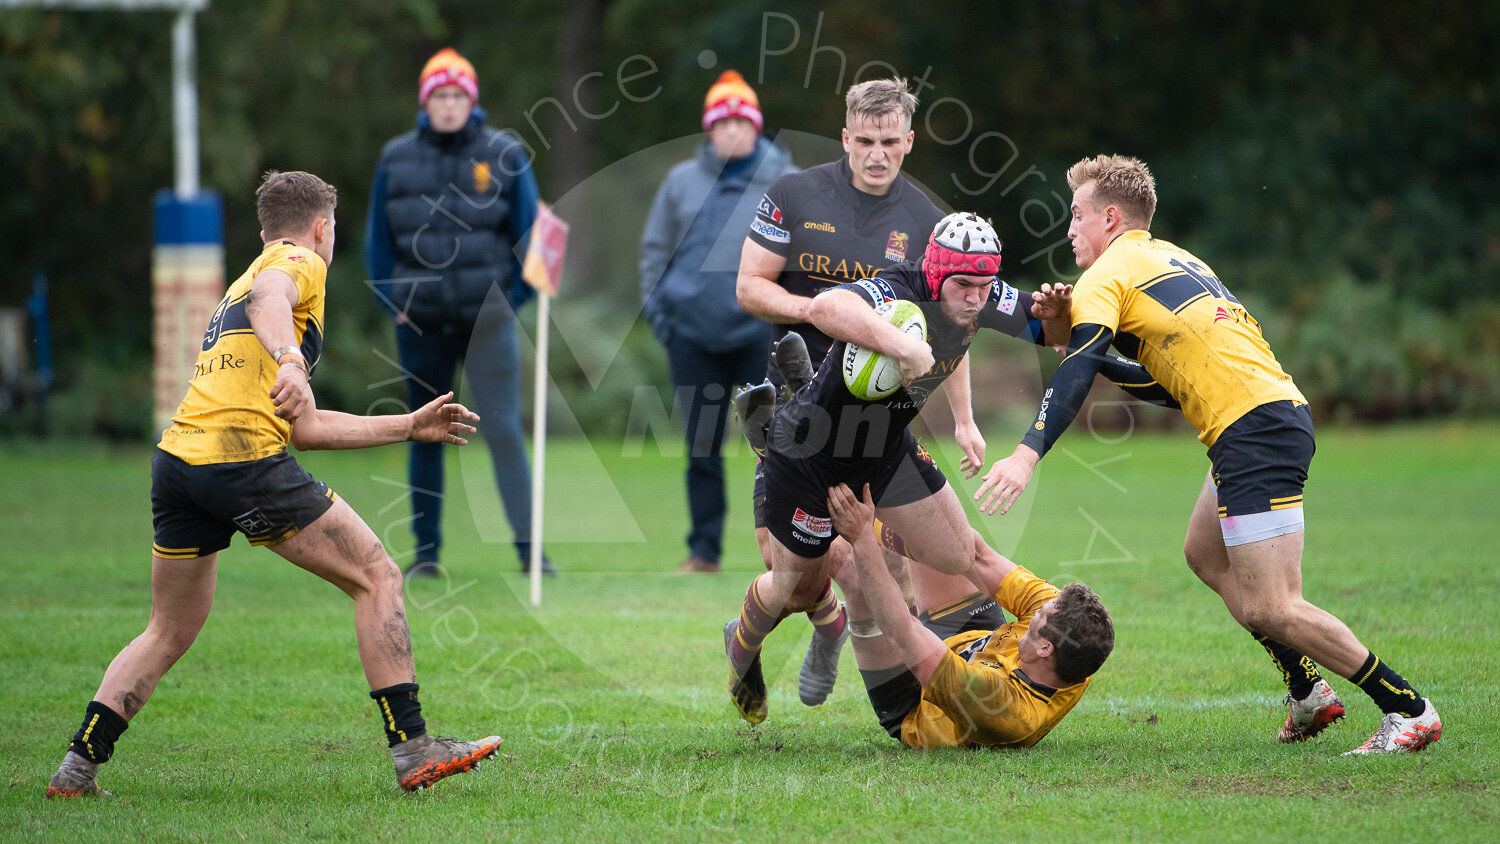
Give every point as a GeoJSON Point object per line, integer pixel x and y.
{"type": "Point", "coordinates": [1009, 296]}
{"type": "Point", "coordinates": [812, 525]}
{"type": "Point", "coordinates": [895, 246]}
{"type": "Point", "coordinates": [768, 209]}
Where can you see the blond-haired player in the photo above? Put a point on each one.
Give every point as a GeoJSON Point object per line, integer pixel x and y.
{"type": "Point", "coordinates": [1161, 305]}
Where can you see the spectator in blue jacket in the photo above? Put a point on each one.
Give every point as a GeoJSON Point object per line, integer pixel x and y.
{"type": "Point", "coordinates": [450, 208]}
{"type": "Point", "coordinates": [690, 255]}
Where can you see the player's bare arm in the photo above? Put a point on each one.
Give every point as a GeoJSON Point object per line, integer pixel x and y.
{"type": "Point", "coordinates": [269, 306]}
{"type": "Point", "coordinates": [844, 315]}
{"type": "Point", "coordinates": [965, 431]}
{"type": "Point", "coordinates": [853, 517]}
{"type": "Point", "coordinates": [758, 292]}
{"type": "Point", "coordinates": [439, 421]}
{"type": "Point", "coordinates": [1053, 305]}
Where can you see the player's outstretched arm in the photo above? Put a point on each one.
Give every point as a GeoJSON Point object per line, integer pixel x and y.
{"type": "Point", "coordinates": [439, 421]}
{"type": "Point", "coordinates": [965, 431]}
{"type": "Point", "coordinates": [853, 518]}
{"type": "Point", "coordinates": [1008, 478]}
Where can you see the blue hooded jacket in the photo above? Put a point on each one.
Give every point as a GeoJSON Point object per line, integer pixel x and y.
{"type": "Point", "coordinates": [690, 250]}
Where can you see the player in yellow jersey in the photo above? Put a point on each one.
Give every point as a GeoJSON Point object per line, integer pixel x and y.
{"type": "Point", "coordinates": [1163, 307]}
{"type": "Point", "coordinates": [943, 682]}
{"type": "Point", "coordinates": [223, 466]}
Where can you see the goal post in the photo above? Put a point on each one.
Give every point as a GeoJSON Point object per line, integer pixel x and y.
{"type": "Point", "coordinates": [187, 260]}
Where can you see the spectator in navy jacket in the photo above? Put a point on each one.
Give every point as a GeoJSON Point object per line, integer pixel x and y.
{"type": "Point", "coordinates": [450, 208]}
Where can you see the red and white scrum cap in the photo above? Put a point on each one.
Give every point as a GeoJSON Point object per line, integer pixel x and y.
{"type": "Point", "coordinates": [961, 244]}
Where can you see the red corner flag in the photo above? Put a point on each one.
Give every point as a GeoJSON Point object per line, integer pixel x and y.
{"type": "Point", "coordinates": [544, 256]}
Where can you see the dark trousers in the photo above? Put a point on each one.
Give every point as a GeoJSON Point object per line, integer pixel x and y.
{"type": "Point", "coordinates": [491, 357]}
{"type": "Point", "coordinates": [705, 382]}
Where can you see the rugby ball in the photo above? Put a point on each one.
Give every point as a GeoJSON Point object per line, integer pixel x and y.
{"type": "Point", "coordinates": [870, 375]}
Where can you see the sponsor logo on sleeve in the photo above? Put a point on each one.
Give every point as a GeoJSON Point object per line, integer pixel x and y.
{"type": "Point", "coordinates": [770, 232]}
{"type": "Point", "coordinates": [812, 525]}
{"type": "Point", "coordinates": [768, 209]}
{"type": "Point", "coordinates": [878, 289]}
{"type": "Point", "coordinates": [1009, 296]}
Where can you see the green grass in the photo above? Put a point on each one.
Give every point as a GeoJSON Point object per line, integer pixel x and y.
{"type": "Point", "coordinates": [610, 694]}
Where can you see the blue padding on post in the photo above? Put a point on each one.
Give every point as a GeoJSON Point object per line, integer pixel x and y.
{"type": "Point", "coordinates": [197, 219]}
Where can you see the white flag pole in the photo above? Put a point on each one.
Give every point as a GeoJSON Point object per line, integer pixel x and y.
{"type": "Point", "coordinates": [539, 444]}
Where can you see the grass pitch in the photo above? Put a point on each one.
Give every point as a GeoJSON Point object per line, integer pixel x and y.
{"type": "Point", "coordinates": [610, 695]}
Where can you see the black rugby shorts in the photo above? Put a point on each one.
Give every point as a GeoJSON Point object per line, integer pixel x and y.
{"type": "Point", "coordinates": [195, 510]}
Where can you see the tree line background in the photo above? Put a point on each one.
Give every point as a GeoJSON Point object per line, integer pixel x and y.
{"type": "Point", "coordinates": [1336, 165]}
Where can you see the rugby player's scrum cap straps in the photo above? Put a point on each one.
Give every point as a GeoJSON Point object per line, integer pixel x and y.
{"type": "Point", "coordinates": [962, 243]}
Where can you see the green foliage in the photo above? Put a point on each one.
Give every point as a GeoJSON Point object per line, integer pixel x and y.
{"type": "Point", "coordinates": [1296, 145]}
{"type": "Point", "coordinates": [610, 694]}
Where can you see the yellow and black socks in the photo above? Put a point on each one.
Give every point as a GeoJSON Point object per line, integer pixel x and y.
{"type": "Point", "coordinates": [400, 713]}
{"type": "Point", "coordinates": [95, 739]}
{"type": "Point", "coordinates": [1389, 690]}
{"type": "Point", "coordinates": [1298, 671]}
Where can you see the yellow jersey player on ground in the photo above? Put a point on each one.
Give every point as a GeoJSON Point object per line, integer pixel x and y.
{"type": "Point", "coordinates": [1163, 307]}
{"type": "Point", "coordinates": [223, 466]}
{"type": "Point", "coordinates": [941, 682]}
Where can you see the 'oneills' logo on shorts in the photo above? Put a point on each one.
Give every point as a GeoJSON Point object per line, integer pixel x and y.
{"type": "Point", "coordinates": [812, 525]}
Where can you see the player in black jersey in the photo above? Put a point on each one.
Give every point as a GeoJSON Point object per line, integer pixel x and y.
{"type": "Point", "coordinates": [826, 436]}
{"type": "Point", "coordinates": [825, 227]}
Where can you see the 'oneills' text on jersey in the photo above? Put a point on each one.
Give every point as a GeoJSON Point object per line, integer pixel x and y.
{"type": "Point", "coordinates": [227, 415]}
{"type": "Point", "coordinates": [821, 225]}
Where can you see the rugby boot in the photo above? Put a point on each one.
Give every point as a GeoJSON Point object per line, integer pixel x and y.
{"type": "Point", "coordinates": [424, 760]}
{"type": "Point", "coordinates": [1307, 717]}
{"type": "Point", "coordinates": [747, 686]}
{"type": "Point", "coordinates": [75, 778]}
{"type": "Point", "coordinates": [754, 406]}
{"type": "Point", "coordinates": [1400, 734]}
{"type": "Point", "coordinates": [793, 362]}
{"type": "Point", "coordinates": [820, 668]}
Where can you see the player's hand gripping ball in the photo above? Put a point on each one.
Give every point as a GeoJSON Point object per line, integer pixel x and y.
{"type": "Point", "coordinates": [870, 375]}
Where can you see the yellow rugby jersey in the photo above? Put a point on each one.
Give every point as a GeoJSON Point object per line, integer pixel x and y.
{"type": "Point", "coordinates": [227, 415]}
{"type": "Point", "coordinates": [1169, 312]}
{"type": "Point", "coordinates": [978, 695]}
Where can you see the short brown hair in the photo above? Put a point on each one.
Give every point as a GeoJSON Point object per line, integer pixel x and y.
{"type": "Point", "coordinates": [1081, 632]}
{"type": "Point", "coordinates": [1121, 181]}
{"type": "Point", "coordinates": [287, 203]}
{"type": "Point", "coordinates": [879, 99]}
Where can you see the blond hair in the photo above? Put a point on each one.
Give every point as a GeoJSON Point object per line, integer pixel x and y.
{"type": "Point", "coordinates": [879, 100]}
{"type": "Point", "coordinates": [287, 203]}
{"type": "Point", "coordinates": [1121, 181]}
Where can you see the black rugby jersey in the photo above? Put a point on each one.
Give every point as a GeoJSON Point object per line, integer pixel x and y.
{"type": "Point", "coordinates": [825, 417]}
{"type": "Point", "coordinates": [813, 219]}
